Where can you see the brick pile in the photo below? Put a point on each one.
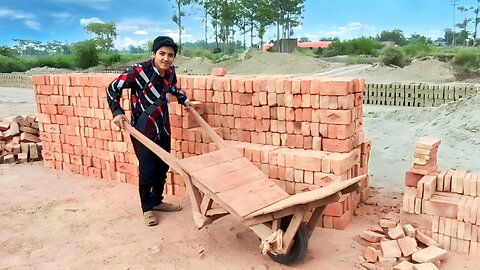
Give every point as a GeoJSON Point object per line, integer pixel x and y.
{"type": "Point", "coordinates": [19, 141]}
{"type": "Point", "coordinates": [391, 245]}
{"type": "Point", "coordinates": [302, 132]}
{"type": "Point", "coordinates": [445, 204]}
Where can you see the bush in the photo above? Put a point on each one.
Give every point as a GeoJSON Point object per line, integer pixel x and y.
{"type": "Point", "coordinates": [85, 54]}
{"type": "Point", "coordinates": [12, 64]}
{"type": "Point", "coordinates": [465, 62]}
{"type": "Point", "coordinates": [393, 56]}
{"type": "Point", "coordinates": [56, 61]}
{"type": "Point", "coordinates": [358, 46]}
{"type": "Point", "coordinates": [418, 49]}
{"type": "Point", "coordinates": [110, 59]}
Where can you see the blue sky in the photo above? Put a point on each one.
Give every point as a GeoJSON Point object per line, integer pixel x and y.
{"type": "Point", "coordinates": [141, 20]}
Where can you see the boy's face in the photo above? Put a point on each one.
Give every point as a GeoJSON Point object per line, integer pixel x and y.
{"type": "Point", "coordinates": [164, 57]}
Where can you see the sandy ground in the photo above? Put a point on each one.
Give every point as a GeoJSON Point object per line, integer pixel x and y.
{"type": "Point", "coordinates": [54, 220]}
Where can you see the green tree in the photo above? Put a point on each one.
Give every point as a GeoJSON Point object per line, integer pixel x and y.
{"type": "Point", "coordinates": [178, 13]}
{"type": "Point", "coordinates": [85, 54]}
{"type": "Point", "coordinates": [105, 34]}
{"type": "Point", "coordinates": [396, 36]}
{"type": "Point", "coordinates": [304, 39]}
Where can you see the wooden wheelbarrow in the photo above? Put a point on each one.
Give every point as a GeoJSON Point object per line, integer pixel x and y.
{"type": "Point", "coordinates": [225, 182]}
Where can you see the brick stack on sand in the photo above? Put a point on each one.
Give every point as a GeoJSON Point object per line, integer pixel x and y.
{"type": "Point", "coordinates": [304, 133]}
{"type": "Point", "coordinates": [19, 140]}
{"type": "Point", "coordinates": [445, 204]}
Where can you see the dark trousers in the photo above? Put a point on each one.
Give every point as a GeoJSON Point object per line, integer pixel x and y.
{"type": "Point", "coordinates": [153, 172]}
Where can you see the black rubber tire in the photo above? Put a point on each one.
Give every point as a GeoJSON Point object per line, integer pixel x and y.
{"type": "Point", "coordinates": [298, 249]}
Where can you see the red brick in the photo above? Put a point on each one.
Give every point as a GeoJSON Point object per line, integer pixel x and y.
{"type": "Point", "coordinates": [429, 254]}
{"type": "Point", "coordinates": [428, 143]}
{"type": "Point", "coordinates": [219, 72]}
{"type": "Point", "coordinates": [390, 249]}
{"type": "Point", "coordinates": [408, 245]}
{"type": "Point", "coordinates": [412, 179]}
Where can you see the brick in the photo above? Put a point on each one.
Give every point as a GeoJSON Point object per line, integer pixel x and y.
{"type": "Point", "coordinates": [409, 230]}
{"type": "Point", "coordinates": [408, 245]}
{"type": "Point", "coordinates": [428, 143]}
{"type": "Point", "coordinates": [442, 204]}
{"type": "Point", "coordinates": [425, 239]}
{"type": "Point", "coordinates": [429, 254]}
{"type": "Point", "coordinates": [390, 249]}
{"type": "Point", "coordinates": [219, 72]}
{"type": "Point", "coordinates": [405, 265]}
{"type": "Point", "coordinates": [396, 232]}
{"type": "Point", "coordinates": [371, 236]}
{"type": "Point", "coordinates": [370, 254]}
{"type": "Point", "coordinates": [440, 180]}
{"type": "Point", "coordinates": [425, 266]}
{"type": "Point", "coordinates": [412, 178]}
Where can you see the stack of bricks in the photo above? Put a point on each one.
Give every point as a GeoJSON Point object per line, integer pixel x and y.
{"type": "Point", "coordinates": [445, 204]}
{"type": "Point", "coordinates": [302, 132]}
{"type": "Point", "coordinates": [19, 140]}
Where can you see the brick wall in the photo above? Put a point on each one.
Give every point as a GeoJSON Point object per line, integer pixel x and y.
{"type": "Point", "coordinates": [417, 94]}
{"type": "Point", "coordinates": [302, 132]}
{"type": "Point", "coordinates": [445, 204]}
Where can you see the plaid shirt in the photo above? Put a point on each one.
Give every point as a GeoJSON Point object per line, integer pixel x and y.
{"type": "Point", "coordinates": [148, 88]}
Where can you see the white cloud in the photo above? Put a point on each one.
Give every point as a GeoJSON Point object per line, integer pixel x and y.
{"type": "Point", "coordinates": [346, 29]}
{"type": "Point", "coordinates": [141, 32]}
{"type": "Point", "coordinates": [27, 18]}
{"type": "Point", "coordinates": [61, 15]}
{"type": "Point", "coordinates": [84, 21]}
{"type": "Point", "coordinates": [15, 14]}
{"type": "Point", "coordinates": [122, 43]}
{"type": "Point", "coordinates": [32, 24]}
{"type": "Point", "coordinates": [95, 4]}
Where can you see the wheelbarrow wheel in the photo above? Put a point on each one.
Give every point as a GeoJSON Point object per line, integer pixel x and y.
{"type": "Point", "coordinates": [298, 249]}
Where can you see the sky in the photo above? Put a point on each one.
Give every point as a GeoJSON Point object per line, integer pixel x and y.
{"type": "Point", "coordinates": [139, 21]}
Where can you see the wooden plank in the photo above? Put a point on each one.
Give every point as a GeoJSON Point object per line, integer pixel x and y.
{"type": "Point", "coordinates": [215, 137]}
{"type": "Point", "coordinates": [215, 198]}
{"type": "Point", "coordinates": [206, 204]}
{"type": "Point", "coordinates": [261, 198]}
{"type": "Point", "coordinates": [312, 223]}
{"type": "Point", "coordinates": [261, 230]}
{"type": "Point", "coordinates": [290, 210]}
{"type": "Point", "coordinates": [309, 196]}
{"type": "Point", "coordinates": [224, 176]}
{"type": "Point", "coordinates": [245, 189]}
{"type": "Point", "coordinates": [292, 229]}
{"type": "Point", "coordinates": [211, 159]}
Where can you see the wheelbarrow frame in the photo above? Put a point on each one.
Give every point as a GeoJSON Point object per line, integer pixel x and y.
{"type": "Point", "coordinates": [287, 215]}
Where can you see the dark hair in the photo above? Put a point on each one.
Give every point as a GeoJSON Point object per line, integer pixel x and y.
{"type": "Point", "coordinates": [161, 41]}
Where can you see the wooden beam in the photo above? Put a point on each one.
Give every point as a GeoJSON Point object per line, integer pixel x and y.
{"type": "Point", "coordinates": [292, 229]}
{"type": "Point", "coordinates": [309, 196]}
{"type": "Point", "coordinates": [206, 204]}
{"type": "Point", "coordinates": [313, 222]}
{"type": "Point", "coordinates": [261, 230]}
{"type": "Point", "coordinates": [215, 137]}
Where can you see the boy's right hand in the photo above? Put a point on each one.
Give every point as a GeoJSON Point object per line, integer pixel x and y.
{"type": "Point", "coordinates": [119, 119]}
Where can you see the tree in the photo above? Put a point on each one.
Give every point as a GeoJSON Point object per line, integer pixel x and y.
{"type": "Point", "coordinates": [304, 39]}
{"type": "Point", "coordinates": [287, 15]}
{"type": "Point", "coordinates": [105, 32]}
{"type": "Point", "coordinates": [395, 36]}
{"type": "Point", "coordinates": [476, 20]}
{"type": "Point", "coordinates": [85, 54]}
{"type": "Point", "coordinates": [178, 13]}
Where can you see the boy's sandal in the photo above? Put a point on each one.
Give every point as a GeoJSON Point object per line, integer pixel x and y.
{"type": "Point", "coordinates": [149, 218]}
{"type": "Point", "coordinates": [168, 207]}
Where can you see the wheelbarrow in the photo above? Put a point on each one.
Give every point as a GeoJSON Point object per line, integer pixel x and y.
{"type": "Point", "coordinates": [224, 182]}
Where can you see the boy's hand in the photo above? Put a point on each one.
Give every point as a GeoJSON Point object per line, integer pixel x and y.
{"type": "Point", "coordinates": [119, 119]}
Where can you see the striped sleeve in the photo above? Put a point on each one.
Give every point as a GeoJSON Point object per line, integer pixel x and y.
{"type": "Point", "coordinates": [115, 89]}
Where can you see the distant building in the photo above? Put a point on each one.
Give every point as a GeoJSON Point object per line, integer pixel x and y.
{"type": "Point", "coordinates": [303, 45]}
{"type": "Point", "coordinates": [440, 42]}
